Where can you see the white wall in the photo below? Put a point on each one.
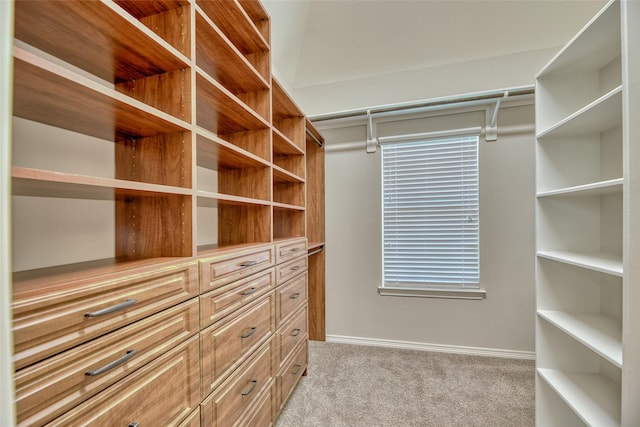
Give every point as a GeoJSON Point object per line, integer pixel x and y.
{"type": "Point", "coordinates": [500, 72]}
{"type": "Point", "coordinates": [504, 320]}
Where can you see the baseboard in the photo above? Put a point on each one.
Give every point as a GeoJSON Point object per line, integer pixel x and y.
{"type": "Point", "coordinates": [455, 349]}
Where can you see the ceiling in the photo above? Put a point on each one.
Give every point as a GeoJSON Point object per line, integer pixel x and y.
{"type": "Point", "coordinates": [316, 42]}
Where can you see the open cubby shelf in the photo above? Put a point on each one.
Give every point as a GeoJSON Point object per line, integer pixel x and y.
{"type": "Point", "coordinates": [587, 341]}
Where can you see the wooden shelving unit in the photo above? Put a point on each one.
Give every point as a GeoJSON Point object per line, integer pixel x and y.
{"type": "Point", "coordinates": [586, 216]}
{"type": "Point", "coordinates": [158, 168]}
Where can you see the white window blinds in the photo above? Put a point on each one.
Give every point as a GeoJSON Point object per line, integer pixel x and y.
{"type": "Point", "coordinates": [430, 213]}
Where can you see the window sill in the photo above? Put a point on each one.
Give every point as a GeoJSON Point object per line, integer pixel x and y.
{"type": "Point", "coordinates": [460, 293]}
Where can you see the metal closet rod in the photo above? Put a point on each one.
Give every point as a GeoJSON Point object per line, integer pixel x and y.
{"type": "Point", "coordinates": [438, 102]}
{"type": "Point", "coordinates": [316, 140]}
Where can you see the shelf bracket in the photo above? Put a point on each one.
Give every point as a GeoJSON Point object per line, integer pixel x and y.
{"type": "Point", "coordinates": [491, 128]}
{"type": "Point", "coordinates": [372, 141]}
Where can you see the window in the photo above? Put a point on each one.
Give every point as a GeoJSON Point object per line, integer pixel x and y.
{"type": "Point", "coordinates": [431, 217]}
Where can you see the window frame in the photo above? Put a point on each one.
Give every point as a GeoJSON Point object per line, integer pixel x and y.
{"type": "Point", "coordinates": [431, 289]}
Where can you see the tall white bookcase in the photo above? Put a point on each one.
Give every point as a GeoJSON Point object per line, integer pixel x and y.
{"type": "Point", "coordinates": [588, 225]}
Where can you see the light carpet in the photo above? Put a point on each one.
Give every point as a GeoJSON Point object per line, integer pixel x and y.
{"type": "Point", "coordinates": [353, 385]}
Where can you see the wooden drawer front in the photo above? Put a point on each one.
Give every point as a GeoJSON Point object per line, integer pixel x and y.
{"type": "Point", "coordinates": [164, 392]}
{"type": "Point", "coordinates": [226, 343]}
{"type": "Point", "coordinates": [49, 324]}
{"type": "Point", "coordinates": [48, 388]}
{"type": "Point", "coordinates": [240, 392]}
{"type": "Point", "coordinates": [219, 270]}
{"type": "Point", "coordinates": [291, 334]}
{"type": "Point", "coordinates": [223, 301]}
{"type": "Point", "coordinates": [290, 249]}
{"type": "Point", "coordinates": [290, 269]}
{"type": "Point", "coordinates": [290, 297]}
{"type": "Point", "coordinates": [192, 420]}
{"type": "Point", "coordinates": [264, 412]}
{"type": "Point", "coordinates": [290, 375]}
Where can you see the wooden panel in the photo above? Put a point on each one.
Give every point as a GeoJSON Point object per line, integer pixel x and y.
{"type": "Point", "coordinates": [214, 153]}
{"type": "Point", "coordinates": [223, 301]}
{"type": "Point", "coordinates": [243, 224]}
{"type": "Point", "coordinates": [289, 377]}
{"type": "Point", "coordinates": [216, 56]}
{"type": "Point", "coordinates": [257, 142]}
{"type": "Point", "coordinates": [292, 128]}
{"type": "Point", "coordinates": [290, 193]}
{"type": "Point", "coordinates": [98, 37]}
{"type": "Point", "coordinates": [50, 94]}
{"type": "Point", "coordinates": [315, 191]}
{"type": "Point", "coordinates": [283, 106]}
{"type": "Point", "coordinates": [47, 389]}
{"type": "Point", "coordinates": [288, 223]}
{"type": "Point", "coordinates": [253, 183]}
{"type": "Point", "coordinates": [290, 297]}
{"type": "Point", "coordinates": [164, 392]}
{"type": "Point", "coordinates": [264, 412]}
{"type": "Point", "coordinates": [240, 392]}
{"type": "Point", "coordinates": [291, 268]}
{"type": "Point", "coordinates": [193, 420]}
{"type": "Point", "coordinates": [288, 249]}
{"type": "Point", "coordinates": [169, 92]}
{"type": "Point", "coordinates": [221, 112]}
{"type": "Point", "coordinates": [316, 296]}
{"type": "Point", "coordinates": [290, 335]}
{"type": "Point", "coordinates": [173, 25]}
{"type": "Point", "coordinates": [292, 165]}
{"type": "Point", "coordinates": [234, 22]}
{"type": "Point", "coordinates": [49, 316]}
{"type": "Point", "coordinates": [258, 16]}
{"type": "Point", "coordinates": [163, 159]}
{"type": "Point", "coordinates": [224, 345]}
{"type": "Point", "coordinates": [226, 266]}
{"type": "Point", "coordinates": [259, 101]}
{"type": "Point", "coordinates": [153, 226]}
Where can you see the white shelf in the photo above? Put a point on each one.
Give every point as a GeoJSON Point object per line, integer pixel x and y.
{"type": "Point", "coordinates": [602, 114]}
{"type": "Point", "coordinates": [593, 189]}
{"type": "Point", "coordinates": [594, 398]}
{"type": "Point", "coordinates": [599, 333]}
{"type": "Point", "coordinates": [597, 261]}
{"type": "Point", "coordinates": [593, 47]}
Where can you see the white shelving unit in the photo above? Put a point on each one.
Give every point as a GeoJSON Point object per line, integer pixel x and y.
{"type": "Point", "coordinates": [587, 274]}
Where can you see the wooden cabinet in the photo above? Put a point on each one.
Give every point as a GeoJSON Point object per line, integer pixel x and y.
{"type": "Point", "coordinates": [315, 231]}
{"type": "Point", "coordinates": [587, 339]}
{"type": "Point", "coordinates": [164, 392]}
{"type": "Point", "coordinates": [159, 195]}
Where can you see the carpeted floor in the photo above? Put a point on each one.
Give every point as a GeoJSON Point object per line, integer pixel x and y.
{"type": "Point", "coordinates": [358, 386]}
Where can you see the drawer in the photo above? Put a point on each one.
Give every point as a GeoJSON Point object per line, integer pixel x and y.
{"type": "Point", "coordinates": [290, 269]}
{"type": "Point", "coordinates": [229, 266]}
{"type": "Point", "coordinates": [290, 297]}
{"type": "Point", "coordinates": [225, 344]}
{"type": "Point", "coordinates": [225, 300]}
{"type": "Point", "coordinates": [48, 388]}
{"type": "Point", "coordinates": [164, 392]}
{"type": "Point", "coordinates": [264, 412]}
{"type": "Point", "coordinates": [73, 313]}
{"type": "Point", "coordinates": [290, 375]}
{"type": "Point", "coordinates": [291, 334]}
{"type": "Point", "coordinates": [241, 391]}
{"type": "Point", "coordinates": [193, 420]}
{"type": "Point", "coordinates": [290, 249]}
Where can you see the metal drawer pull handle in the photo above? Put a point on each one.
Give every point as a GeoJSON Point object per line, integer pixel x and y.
{"type": "Point", "coordinates": [253, 385]}
{"type": "Point", "coordinates": [248, 263]}
{"type": "Point", "coordinates": [295, 250]}
{"type": "Point", "coordinates": [295, 332]}
{"type": "Point", "coordinates": [111, 365]}
{"type": "Point", "coordinates": [248, 334]}
{"type": "Point", "coordinates": [298, 367]}
{"type": "Point", "coordinates": [295, 268]}
{"type": "Point", "coordinates": [249, 291]}
{"type": "Point", "coordinates": [134, 424]}
{"type": "Point", "coordinates": [295, 296]}
{"type": "Point", "coordinates": [112, 309]}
